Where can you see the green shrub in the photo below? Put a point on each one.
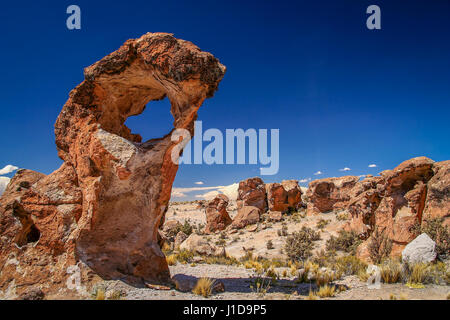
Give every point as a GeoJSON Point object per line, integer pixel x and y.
{"type": "Point", "coordinates": [440, 234]}
{"type": "Point", "coordinates": [346, 241]}
{"type": "Point", "coordinates": [299, 245]}
{"type": "Point", "coordinates": [380, 246]}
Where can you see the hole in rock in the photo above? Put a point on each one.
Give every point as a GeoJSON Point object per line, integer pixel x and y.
{"type": "Point", "coordinates": [30, 234]}
{"type": "Point", "coordinates": [154, 122]}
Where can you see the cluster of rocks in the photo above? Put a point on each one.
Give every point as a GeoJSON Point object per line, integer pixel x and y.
{"type": "Point", "coordinates": [395, 203]}
{"type": "Point", "coordinates": [254, 198]}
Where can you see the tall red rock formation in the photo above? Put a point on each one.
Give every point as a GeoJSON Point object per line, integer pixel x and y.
{"type": "Point", "coordinates": [284, 196]}
{"type": "Point", "coordinates": [104, 205]}
{"type": "Point", "coordinates": [217, 217]}
{"type": "Point", "coordinates": [252, 192]}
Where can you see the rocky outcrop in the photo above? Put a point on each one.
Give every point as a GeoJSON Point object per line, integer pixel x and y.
{"type": "Point", "coordinates": [252, 192]}
{"type": "Point", "coordinates": [437, 203]}
{"type": "Point", "coordinates": [217, 217]}
{"type": "Point", "coordinates": [329, 194]}
{"type": "Point", "coordinates": [246, 215]}
{"type": "Point", "coordinates": [395, 203]}
{"type": "Point", "coordinates": [284, 196]}
{"type": "Point", "coordinates": [103, 207]}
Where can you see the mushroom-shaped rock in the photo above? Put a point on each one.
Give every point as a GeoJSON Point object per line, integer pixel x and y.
{"type": "Point", "coordinates": [217, 217]}
{"type": "Point", "coordinates": [105, 204]}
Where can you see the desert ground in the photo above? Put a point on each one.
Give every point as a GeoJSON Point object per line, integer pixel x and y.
{"type": "Point", "coordinates": [239, 281]}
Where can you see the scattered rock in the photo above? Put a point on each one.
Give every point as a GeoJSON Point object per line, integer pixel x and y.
{"type": "Point", "coordinates": [246, 215]}
{"type": "Point", "coordinates": [252, 192]}
{"type": "Point", "coordinates": [275, 216]}
{"type": "Point", "coordinates": [199, 245]}
{"type": "Point", "coordinates": [179, 239]}
{"type": "Point", "coordinates": [32, 294]}
{"type": "Point", "coordinates": [421, 249]}
{"type": "Point", "coordinates": [184, 283]}
{"type": "Point", "coordinates": [217, 217]}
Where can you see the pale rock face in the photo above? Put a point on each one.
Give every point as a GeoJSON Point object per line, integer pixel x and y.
{"type": "Point", "coordinates": [421, 249]}
{"type": "Point", "coordinates": [118, 186]}
{"type": "Point", "coordinates": [246, 215]}
{"type": "Point", "coordinates": [198, 244]}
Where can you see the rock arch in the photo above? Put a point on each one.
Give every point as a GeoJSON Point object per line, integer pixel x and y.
{"type": "Point", "coordinates": [117, 185]}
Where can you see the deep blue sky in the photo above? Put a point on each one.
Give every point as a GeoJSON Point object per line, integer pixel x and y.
{"type": "Point", "coordinates": [341, 95]}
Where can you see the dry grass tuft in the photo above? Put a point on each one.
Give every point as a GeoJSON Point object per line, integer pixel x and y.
{"type": "Point", "coordinates": [326, 291]}
{"type": "Point", "coordinates": [204, 287]}
{"type": "Point", "coordinates": [171, 260]}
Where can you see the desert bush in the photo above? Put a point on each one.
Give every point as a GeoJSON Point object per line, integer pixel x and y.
{"type": "Point", "coordinates": [440, 234]}
{"type": "Point", "coordinates": [227, 260]}
{"type": "Point", "coordinates": [326, 291]}
{"type": "Point", "coordinates": [203, 287]}
{"type": "Point", "coordinates": [350, 265]}
{"type": "Point", "coordinates": [322, 223]}
{"type": "Point", "coordinates": [311, 296]}
{"type": "Point", "coordinates": [221, 242]}
{"type": "Point", "coordinates": [391, 271]}
{"type": "Point", "coordinates": [342, 216]}
{"type": "Point", "coordinates": [299, 245]}
{"type": "Point", "coordinates": [98, 293]}
{"type": "Point", "coordinates": [379, 247]}
{"type": "Point", "coordinates": [346, 241]}
{"type": "Point", "coordinates": [271, 273]}
{"type": "Point", "coordinates": [186, 227]}
{"type": "Point", "coordinates": [184, 256]}
{"type": "Point", "coordinates": [325, 277]}
{"type": "Point", "coordinates": [269, 245]}
{"type": "Point", "coordinates": [418, 273]}
{"type": "Point", "coordinates": [283, 232]}
{"type": "Point", "coordinates": [260, 285]}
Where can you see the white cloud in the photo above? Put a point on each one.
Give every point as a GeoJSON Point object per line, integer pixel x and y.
{"type": "Point", "coordinates": [199, 182]}
{"type": "Point", "coordinates": [362, 176]}
{"type": "Point", "coordinates": [304, 180]}
{"type": "Point", "coordinates": [208, 195]}
{"type": "Point", "coordinates": [8, 169]}
{"type": "Point", "coordinates": [230, 191]}
{"type": "Point", "coordinates": [318, 173]}
{"type": "Point", "coordinates": [3, 183]}
{"type": "Point", "coordinates": [178, 194]}
{"type": "Point", "coordinates": [345, 169]}
{"type": "Point", "coordinates": [372, 165]}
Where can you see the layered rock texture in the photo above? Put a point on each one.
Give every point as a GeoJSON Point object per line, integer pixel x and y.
{"type": "Point", "coordinates": [103, 207]}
